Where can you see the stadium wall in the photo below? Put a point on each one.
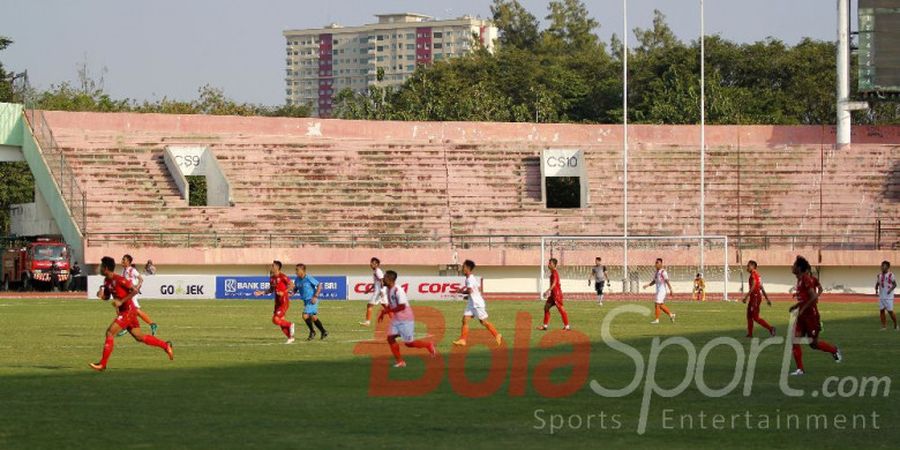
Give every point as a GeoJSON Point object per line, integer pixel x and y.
{"type": "Point", "coordinates": [812, 191]}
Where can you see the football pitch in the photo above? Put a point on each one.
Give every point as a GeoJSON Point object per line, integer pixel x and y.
{"type": "Point", "coordinates": [234, 384]}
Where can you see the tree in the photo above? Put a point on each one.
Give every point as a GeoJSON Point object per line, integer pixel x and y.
{"type": "Point", "coordinates": [571, 28]}
{"type": "Point", "coordinates": [18, 184]}
{"type": "Point", "coordinates": [6, 88]}
{"type": "Point", "coordinates": [517, 27]}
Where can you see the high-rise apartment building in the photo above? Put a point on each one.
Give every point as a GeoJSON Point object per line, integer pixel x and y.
{"type": "Point", "coordinates": [323, 61]}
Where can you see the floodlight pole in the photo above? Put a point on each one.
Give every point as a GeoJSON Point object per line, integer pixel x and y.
{"type": "Point", "coordinates": [625, 142]}
{"type": "Point", "coordinates": [843, 73]}
{"type": "Point", "coordinates": [702, 138]}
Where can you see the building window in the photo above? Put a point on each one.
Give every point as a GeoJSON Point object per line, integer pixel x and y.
{"type": "Point", "coordinates": [380, 37]}
{"type": "Point", "coordinates": [410, 35]}
{"type": "Point", "coordinates": [380, 48]}
{"type": "Point", "coordinates": [410, 46]}
{"type": "Point", "coordinates": [438, 35]}
{"type": "Point", "coordinates": [411, 67]}
{"type": "Point", "coordinates": [438, 45]}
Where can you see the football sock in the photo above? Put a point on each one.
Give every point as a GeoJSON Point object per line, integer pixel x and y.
{"type": "Point", "coordinates": [395, 349]}
{"type": "Point", "coordinates": [665, 310]}
{"type": "Point", "coordinates": [826, 347]}
{"type": "Point", "coordinates": [564, 314]}
{"type": "Point", "coordinates": [155, 342]}
{"type": "Point", "coordinates": [490, 328]}
{"type": "Point", "coordinates": [319, 325]}
{"type": "Point", "coordinates": [763, 323]}
{"type": "Point", "coordinates": [546, 318]}
{"type": "Point", "coordinates": [107, 350]}
{"type": "Point", "coordinates": [418, 344]}
{"type": "Point", "coordinates": [309, 324]}
{"type": "Point", "coordinates": [798, 356]}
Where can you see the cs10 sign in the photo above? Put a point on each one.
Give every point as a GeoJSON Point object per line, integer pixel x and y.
{"type": "Point", "coordinates": [562, 163]}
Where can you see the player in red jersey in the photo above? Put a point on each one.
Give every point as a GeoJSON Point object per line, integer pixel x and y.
{"type": "Point", "coordinates": [755, 295]}
{"type": "Point", "coordinates": [808, 323]}
{"type": "Point", "coordinates": [122, 291]}
{"type": "Point", "coordinates": [282, 286]}
{"type": "Point", "coordinates": [554, 297]}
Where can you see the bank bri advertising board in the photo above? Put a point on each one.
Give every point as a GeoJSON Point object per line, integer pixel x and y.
{"type": "Point", "coordinates": [243, 287]}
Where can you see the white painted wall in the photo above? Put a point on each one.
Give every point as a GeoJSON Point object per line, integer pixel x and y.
{"type": "Point", "coordinates": [859, 280]}
{"type": "Point", "coordinates": [32, 219]}
{"type": "Point", "coordinates": [9, 153]}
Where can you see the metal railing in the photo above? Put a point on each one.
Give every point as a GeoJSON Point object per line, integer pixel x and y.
{"type": "Point", "coordinates": [887, 237]}
{"type": "Point", "coordinates": [456, 241]}
{"type": "Point", "coordinates": [263, 240]}
{"type": "Point", "coordinates": [810, 240]}
{"type": "Point", "coordinates": [72, 193]}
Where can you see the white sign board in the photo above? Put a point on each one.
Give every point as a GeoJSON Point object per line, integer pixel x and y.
{"type": "Point", "coordinates": [562, 162]}
{"type": "Point", "coordinates": [417, 288]}
{"type": "Point", "coordinates": [167, 286]}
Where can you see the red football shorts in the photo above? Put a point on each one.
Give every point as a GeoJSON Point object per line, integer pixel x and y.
{"type": "Point", "coordinates": [808, 326]}
{"type": "Point", "coordinates": [281, 308]}
{"type": "Point", "coordinates": [555, 301]}
{"type": "Point", "coordinates": [128, 320]}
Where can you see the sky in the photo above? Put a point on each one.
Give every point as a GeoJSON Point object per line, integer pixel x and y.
{"type": "Point", "coordinates": [169, 48]}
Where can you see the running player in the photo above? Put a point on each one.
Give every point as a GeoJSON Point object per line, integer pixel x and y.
{"type": "Point", "coordinates": [475, 307]}
{"type": "Point", "coordinates": [403, 322]}
{"type": "Point", "coordinates": [280, 285]}
{"type": "Point", "coordinates": [808, 323]}
{"type": "Point", "coordinates": [699, 288]}
{"type": "Point", "coordinates": [119, 289]}
{"type": "Point", "coordinates": [755, 294]}
{"type": "Point", "coordinates": [309, 289]}
{"type": "Point", "coordinates": [130, 272]}
{"type": "Point", "coordinates": [661, 280]}
{"type": "Point", "coordinates": [598, 277]}
{"type": "Point", "coordinates": [885, 286]}
{"type": "Point", "coordinates": [379, 292]}
{"type": "Point", "coordinates": [554, 297]}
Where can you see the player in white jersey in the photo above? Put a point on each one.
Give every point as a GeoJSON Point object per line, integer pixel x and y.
{"type": "Point", "coordinates": [475, 306]}
{"type": "Point", "coordinates": [661, 280]}
{"type": "Point", "coordinates": [598, 277]}
{"type": "Point", "coordinates": [885, 285]}
{"type": "Point", "coordinates": [379, 292]}
{"type": "Point", "coordinates": [134, 276]}
{"type": "Point", "coordinates": [403, 322]}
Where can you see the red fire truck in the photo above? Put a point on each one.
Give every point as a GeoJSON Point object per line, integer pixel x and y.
{"type": "Point", "coordinates": [43, 263]}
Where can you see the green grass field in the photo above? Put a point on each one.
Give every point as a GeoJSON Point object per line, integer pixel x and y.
{"type": "Point", "coordinates": [234, 384]}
